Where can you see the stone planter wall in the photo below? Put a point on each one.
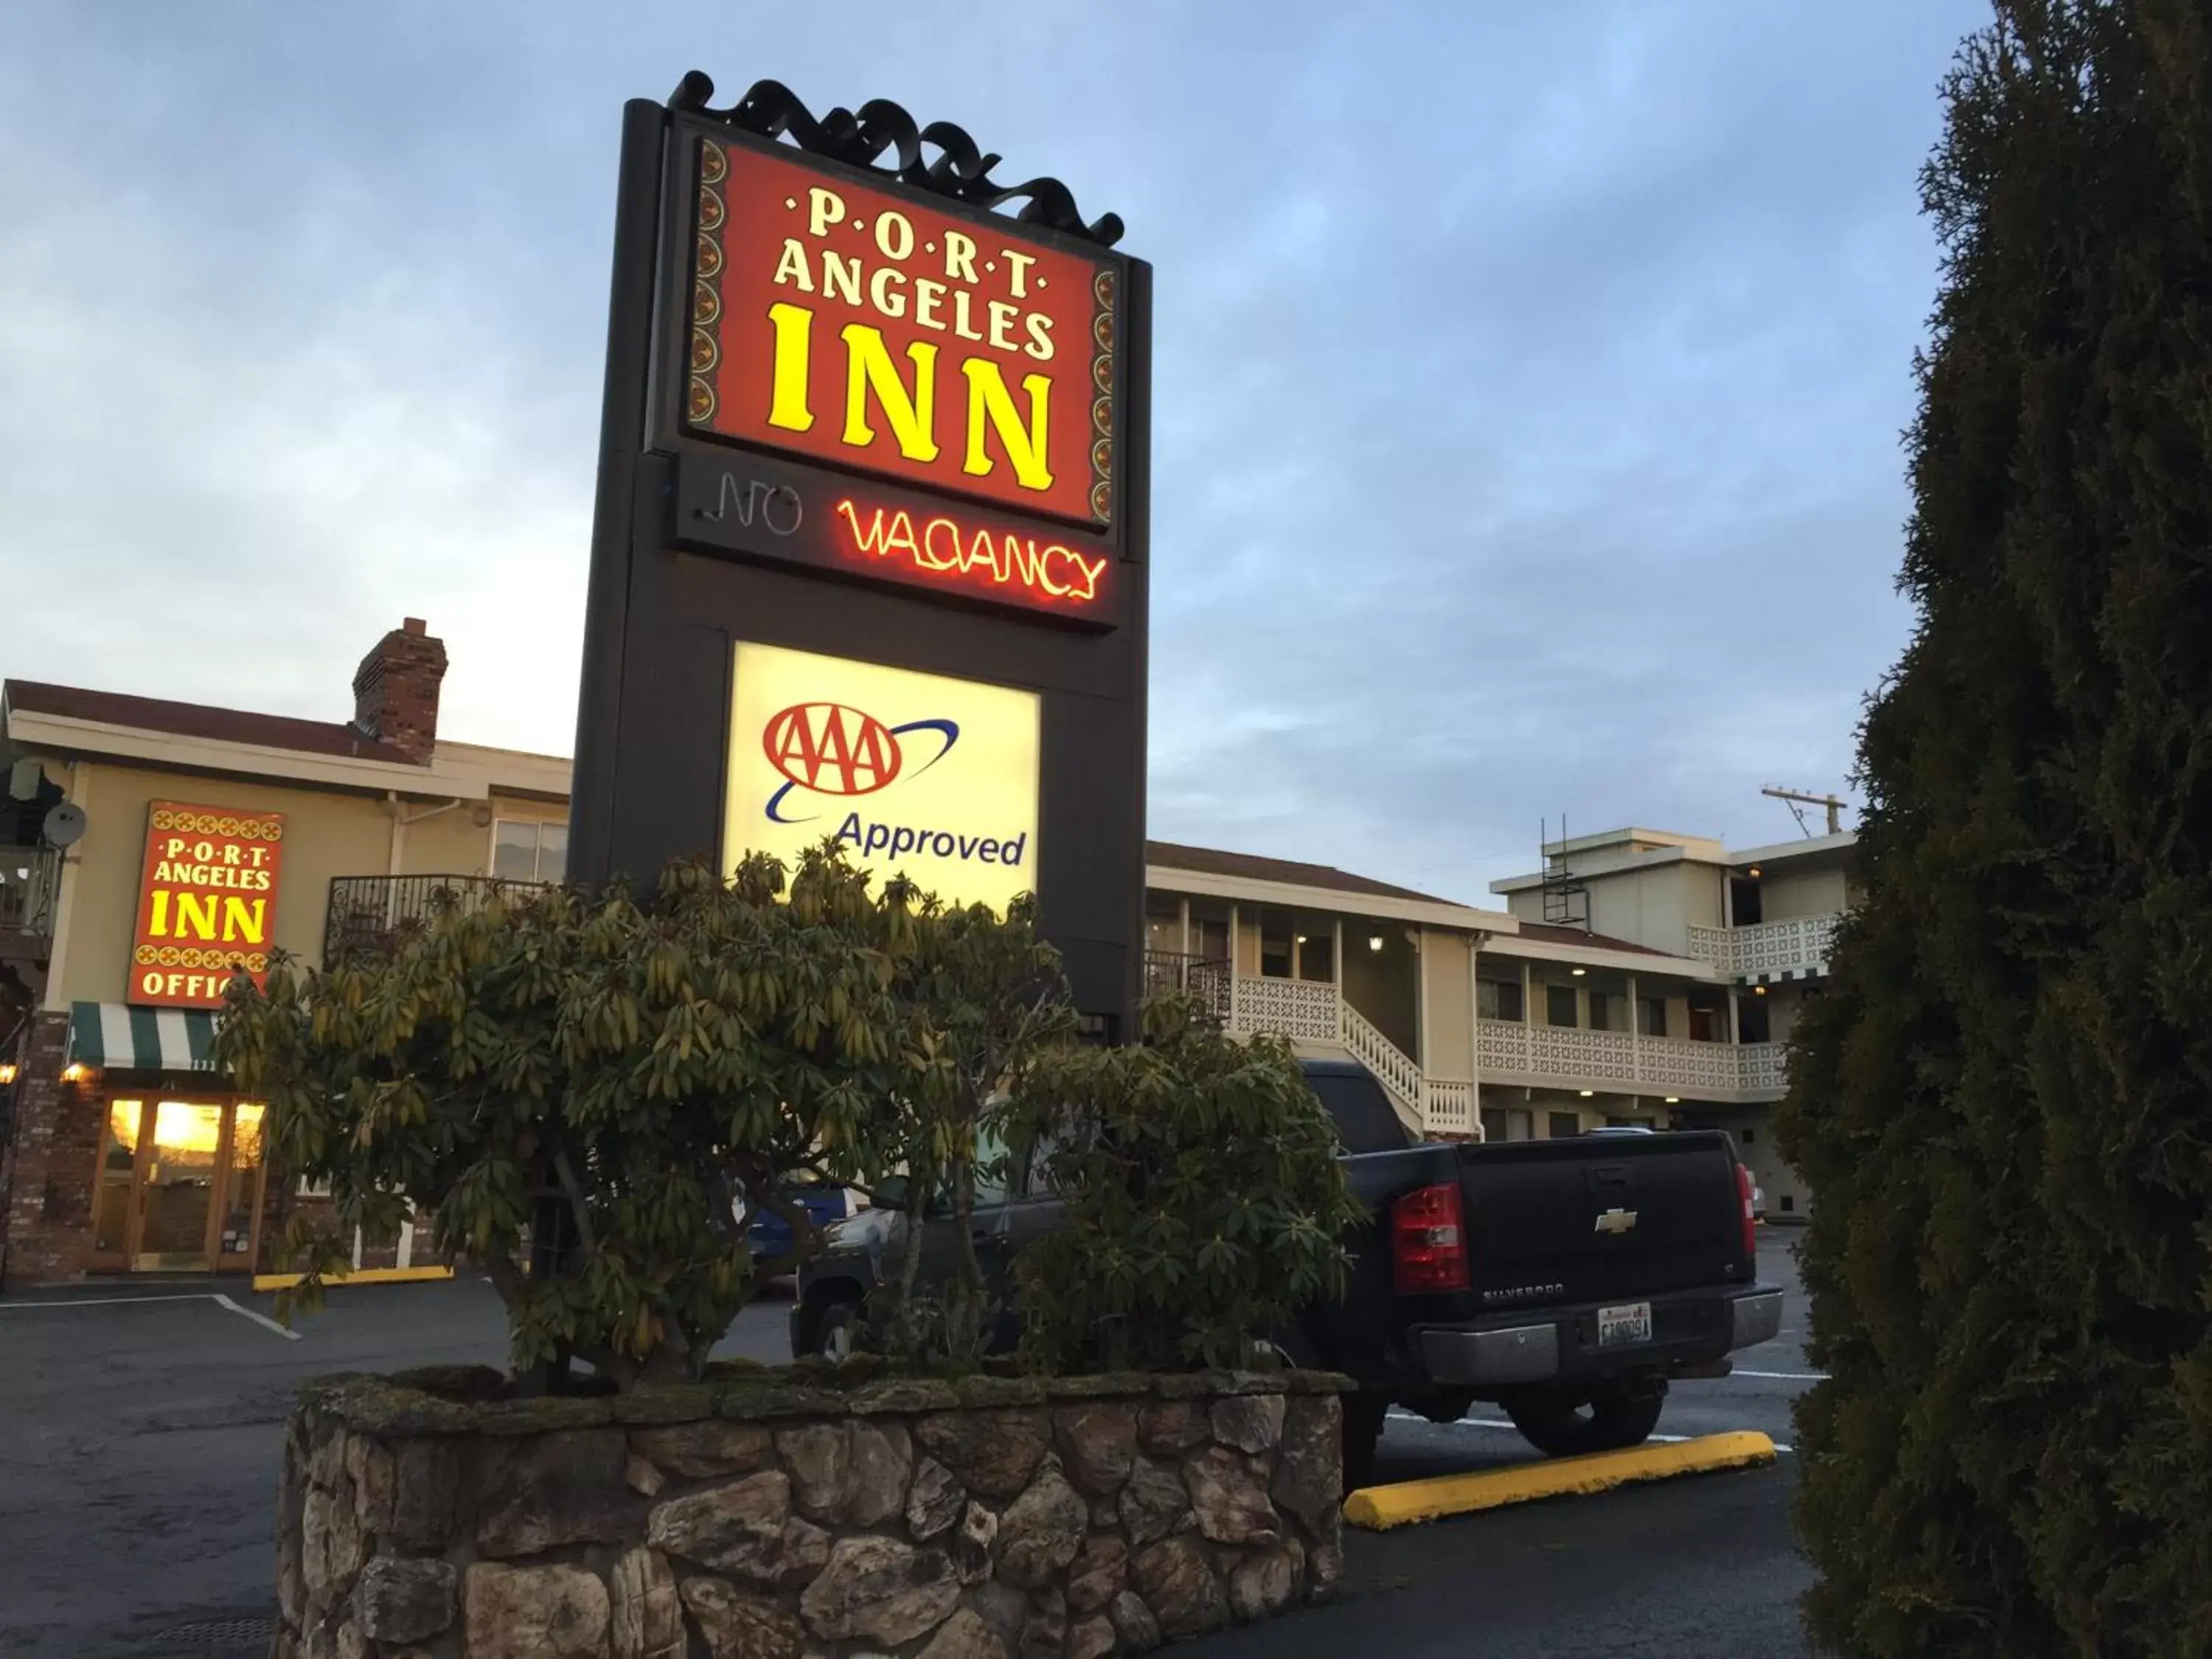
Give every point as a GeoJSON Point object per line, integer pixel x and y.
{"type": "Point", "coordinates": [751, 1519]}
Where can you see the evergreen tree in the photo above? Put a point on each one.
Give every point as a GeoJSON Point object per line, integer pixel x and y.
{"type": "Point", "coordinates": [2004, 1103]}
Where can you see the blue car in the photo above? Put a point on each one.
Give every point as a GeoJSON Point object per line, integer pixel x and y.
{"type": "Point", "coordinates": [823, 1202]}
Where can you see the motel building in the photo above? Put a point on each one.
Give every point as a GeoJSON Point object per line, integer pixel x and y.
{"type": "Point", "coordinates": [201, 833]}
{"type": "Point", "coordinates": [1640, 978]}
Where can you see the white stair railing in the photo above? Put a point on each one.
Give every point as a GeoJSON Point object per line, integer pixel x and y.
{"type": "Point", "coordinates": [1393, 1067]}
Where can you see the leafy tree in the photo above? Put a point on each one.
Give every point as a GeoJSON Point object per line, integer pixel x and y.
{"type": "Point", "coordinates": [990, 1000]}
{"type": "Point", "coordinates": [630, 1071]}
{"type": "Point", "coordinates": [2004, 1103]}
{"type": "Point", "coordinates": [1204, 1199]}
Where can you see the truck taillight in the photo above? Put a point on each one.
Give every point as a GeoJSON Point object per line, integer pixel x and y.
{"type": "Point", "coordinates": [1749, 1194]}
{"type": "Point", "coordinates": [1428, 1241]}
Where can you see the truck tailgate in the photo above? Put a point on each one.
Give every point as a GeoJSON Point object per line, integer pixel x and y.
{"type": "Point", "coordinates": [1594, 1220]}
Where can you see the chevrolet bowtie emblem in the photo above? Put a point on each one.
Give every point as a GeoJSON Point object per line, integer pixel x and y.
{"type": "Point", "coordinates": [1616, 1221]}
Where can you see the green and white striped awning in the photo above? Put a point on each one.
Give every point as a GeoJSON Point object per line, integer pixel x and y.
{"type": "Point", "coordinates": [116, 1037]}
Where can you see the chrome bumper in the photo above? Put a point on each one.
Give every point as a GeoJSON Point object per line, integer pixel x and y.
{"type": "Point", "coordinates": [1758, 1318]}
{"type": "Point", "coordinates": [1515, 1354]}
{"type": "Point", "coordinates": [1525, 1354]}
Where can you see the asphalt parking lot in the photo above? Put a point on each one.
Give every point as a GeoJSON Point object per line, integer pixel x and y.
{"type": "Point", "coordinates": [143, 1424]}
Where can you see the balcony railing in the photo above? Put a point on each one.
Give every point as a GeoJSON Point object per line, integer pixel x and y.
{"type": "Point", "coordinates": [1615, 1060]}
{"type": "Point", "coordinates": [366, 912]}
{"type": "Point", "coordinates": [30, 889]}
{"type": "Point", "coordinates": [1771, 950]}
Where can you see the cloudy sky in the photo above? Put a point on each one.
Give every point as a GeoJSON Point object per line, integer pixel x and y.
{"type": "Point", "coordinates": [1528, 376]}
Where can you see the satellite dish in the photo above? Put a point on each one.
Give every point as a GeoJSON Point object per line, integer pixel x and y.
{"type": "Point", "coordinates": [64, 825]}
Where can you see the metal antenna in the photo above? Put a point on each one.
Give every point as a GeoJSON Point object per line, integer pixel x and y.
{"type": "Point", "coordinates": [1794, 800]}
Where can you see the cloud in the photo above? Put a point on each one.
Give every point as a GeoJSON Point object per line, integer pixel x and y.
{"type": "Point", "coordinates": [1527, 379]}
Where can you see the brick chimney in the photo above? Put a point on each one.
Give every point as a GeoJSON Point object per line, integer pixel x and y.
{"type": "Point", "coordinates": [395, 690]}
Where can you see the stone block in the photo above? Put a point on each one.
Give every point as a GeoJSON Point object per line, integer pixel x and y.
{"type": "Point", "coordinates": [1041, 1531]}
{"type": "Point", "coordinates": [645, 1614]}
{"type": "Point", "coordinates": [1097, 1444]}
{"type": "Point", "coordinates": [704, 1450]}
{"type": "Point", "coordinates": [992, 1452]}
{"type": "Point", "coordinates": [533, 1613]}
{"type": "Point", "coordinates": [736, 1625]}
{"type": "Point", "coordinates": [1249, 1422]}
{"type": "Point", "coordinates": [934, 1501]}
{"type": "Point", "coordinates": [1229, 1495]}
{"type": "Point", "coordinates": [1178, 1586]}
{"type": "Point", "coordinates": [880, 1591]}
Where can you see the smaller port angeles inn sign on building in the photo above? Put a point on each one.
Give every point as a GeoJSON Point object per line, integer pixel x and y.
{"type": "Point", "coordinates": [205, 903]}
{"type": "Point", "coordinates": [869, 553]}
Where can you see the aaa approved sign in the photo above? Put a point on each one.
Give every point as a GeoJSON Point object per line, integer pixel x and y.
{"type": "Point", "coordinates": [919, 774]}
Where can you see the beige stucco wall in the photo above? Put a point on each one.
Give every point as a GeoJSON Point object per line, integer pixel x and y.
{"type": "Point", "coordinates": [328, 833]}
{"type": "Point", "coordinates": [1655, 908]}
{"type": "Point", "coordinates": [1785, 895]}
{"type": "Point", "coordinates": [1447, 1021]}
{"type": "Point", "coordinates": [325, 835]}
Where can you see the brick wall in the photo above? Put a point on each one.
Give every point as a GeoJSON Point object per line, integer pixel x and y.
{"type": "Point", "coordinates": [51, 1163]}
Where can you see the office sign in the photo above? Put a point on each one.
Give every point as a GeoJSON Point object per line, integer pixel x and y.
{"type": "Point", "coordinates": [206, 903]}
{"type": "Point", "coordinates": [833, 319]}
{"type": "Point", "coordinates": [922, 776]}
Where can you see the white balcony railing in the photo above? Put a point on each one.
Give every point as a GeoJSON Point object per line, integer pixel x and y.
{"type": "Point", "coordinates": [1508, 1052]}
{"type": "Point", "coordinates": [1765, 1068]}
{"type": "Point", "coordinates": [1775, 949]}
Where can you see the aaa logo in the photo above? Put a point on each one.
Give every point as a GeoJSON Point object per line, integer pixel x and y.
{"type": "Point", "coordinates": [831, 749]}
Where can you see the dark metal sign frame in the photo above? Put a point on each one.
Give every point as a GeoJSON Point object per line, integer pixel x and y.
{"type": "Point", "coordinates": [700, 541]}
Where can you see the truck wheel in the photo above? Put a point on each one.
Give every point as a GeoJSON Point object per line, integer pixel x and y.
{"type": "Point", "coordinates": [1561, 1423]}
{"type": "Point", "coordinates": [1362, 1429]}
{"type": "Point", "coordinates": [836, 1329]}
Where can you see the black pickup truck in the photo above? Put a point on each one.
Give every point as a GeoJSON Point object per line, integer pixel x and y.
{"type": "Point", "coordinates": [1566, 1281]}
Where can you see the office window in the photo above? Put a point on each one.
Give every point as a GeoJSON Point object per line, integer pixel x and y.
{"type": "Point", "coordinates": [1654, 1011]}
{"type": "Point", "coordinates": [523, 850]}
{"type": "Point", "coordinates": [1499, 999]}
{"type": "Point", "coordinates": [1605, 1011]}
{"type": "Point", "coordinates": [1559, 1006]}
{"type": "Point", "coordinates": [1562, 1126]}
{"type": "Point", "coordinates": [1789, 1204]}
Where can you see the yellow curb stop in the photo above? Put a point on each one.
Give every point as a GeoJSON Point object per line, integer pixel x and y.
{"type": "Point", "coordinates": [1375, 1509]}
{"type": "Point", "coordinates": [361, 1276]}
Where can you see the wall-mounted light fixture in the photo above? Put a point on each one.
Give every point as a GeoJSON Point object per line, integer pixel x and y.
{"type": "Point", "coordinates": [1374, 941]}
{"type": "Point", "coordinates": [1758, 990]}
{"type": "Point", "coordinates": [1579, 972]}
{"type": "Point", "coordinates": [76, 1074]}
{"type": "Point", "coordinates": [1673, 1100]}
{"type": "Point", "coordinates": [7, 1072]}
{"type": "Point", "coordinates": [1753, 872]}
{"type": "Point", "coordinates": [1301, 939]}
{"type": "Point", "coordinates": [1586, 1093]}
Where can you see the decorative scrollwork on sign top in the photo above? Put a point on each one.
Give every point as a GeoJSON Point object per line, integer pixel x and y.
{"type": "Point", "coordinates": [961, 171]}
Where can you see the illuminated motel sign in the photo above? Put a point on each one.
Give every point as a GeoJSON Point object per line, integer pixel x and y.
{"type": "Point", "coordinates": [206, 903]}
{"type": "Point", "coordinates": [873, 472]}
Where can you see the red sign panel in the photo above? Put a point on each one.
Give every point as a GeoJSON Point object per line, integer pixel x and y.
{"type": "Point", "coordinates": [206, 903]}
{"type": "Point", "coordinates": [842, 323]}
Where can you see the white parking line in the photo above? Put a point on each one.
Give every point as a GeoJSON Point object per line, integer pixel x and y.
{"type": "Point", "coordinates": [96, 1301]}
{"type": "Point", "coordinates": [1784, 1377]}
{"type": "Point", "coordinates": [1491, 1423]}
{"type": "Point", "coordinates": [124, 1301]}
{"type": "Point", "coordinates": [259, 1319]}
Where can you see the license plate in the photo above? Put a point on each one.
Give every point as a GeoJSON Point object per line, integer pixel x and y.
{"type": "Point", "coordinates": [1625, 1326]}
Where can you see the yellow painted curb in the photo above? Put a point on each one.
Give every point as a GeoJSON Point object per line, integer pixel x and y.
{"type": "Point", "coordinates": [365, 1276]}
{"type": "Point", "coordinates": [1377, 1508]}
